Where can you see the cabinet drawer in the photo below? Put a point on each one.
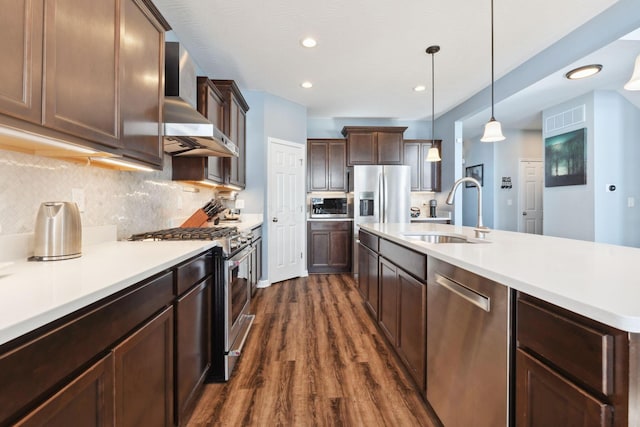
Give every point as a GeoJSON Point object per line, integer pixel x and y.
{"type": "Point", "coordinates": [330, 225]}
{"type": "Point", "coordinates": [369, 240]}
{"type": "Point", "coordinates": [192, 272]}
{"type": "Point", "coordinates": [410, 261]}
{"type": "Point", "coordinates": [583, 352]}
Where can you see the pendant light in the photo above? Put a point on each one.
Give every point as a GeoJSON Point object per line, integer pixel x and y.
{"type": "Point", "coordinates": [493, 128]}
{"type": "Point", "coordinates": [634, 83]}
{"type": "Point", "coordinates": [433, 155]}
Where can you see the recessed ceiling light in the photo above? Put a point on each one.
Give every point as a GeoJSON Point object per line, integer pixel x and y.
{"type": "Point", "coordinates": [583, 72]}
{"type": "Point", "coordinates": [309, 42]}
{"type": "Point", "coordinates": [306, 85]}
{"type": "Point", "coordinates": [420, 88]}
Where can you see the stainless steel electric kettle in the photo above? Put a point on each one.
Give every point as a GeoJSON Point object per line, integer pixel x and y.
{"type": "Point", "coordinates": [58, 232]}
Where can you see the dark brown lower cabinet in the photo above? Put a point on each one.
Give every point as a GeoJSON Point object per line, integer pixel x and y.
{"type": "Point", "coordinates": [193, 352]}
{"type": "Point", "coordinates": [368, 278]}
{"type": "Point", "coordinates": [144, 374]}
{"type": "Point", "coordinates": [570, 370]}
{"type": "Point", "coordinates": [412, 328]}
{"type": "Point", "coordinates": [546, 398]}
{"type": "Point", "coordinates": [86, 401]}
{"type": "Point", "coordinates": [389, 288]}
{"type": "Point", "coordinates": [330, 246]}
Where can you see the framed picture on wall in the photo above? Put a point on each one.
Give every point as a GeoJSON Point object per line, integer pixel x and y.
{"type": "Point", "coordinates": [476, 172]}
{"type": "Point", "coordinates": [565, 159]}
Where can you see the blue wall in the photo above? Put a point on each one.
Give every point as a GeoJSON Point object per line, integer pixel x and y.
{"type": "Point", "coordinates": [269, 116]}
{"type": "Point", "coordinates": [331, 127]}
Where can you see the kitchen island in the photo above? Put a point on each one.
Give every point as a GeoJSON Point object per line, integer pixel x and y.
{"type": "Point", "coordinates": [536, 330]}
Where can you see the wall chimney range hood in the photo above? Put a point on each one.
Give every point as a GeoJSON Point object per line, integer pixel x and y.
{"type": "Point", "coordinates": [186, 131]}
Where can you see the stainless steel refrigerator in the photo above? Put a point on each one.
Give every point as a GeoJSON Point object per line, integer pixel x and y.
{"type": "Point", "coordinates": [380, 194]}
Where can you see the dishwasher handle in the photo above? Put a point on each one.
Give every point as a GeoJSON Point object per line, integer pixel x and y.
{"type": "Point", "coordinates": [462, 291]}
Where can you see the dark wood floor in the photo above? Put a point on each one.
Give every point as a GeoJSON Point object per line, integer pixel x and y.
{"type": "Point", "coordinates": [313, 357]}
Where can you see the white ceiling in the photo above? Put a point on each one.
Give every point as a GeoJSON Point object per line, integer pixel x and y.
{"type": "Point", "coordinates": [371, 54]}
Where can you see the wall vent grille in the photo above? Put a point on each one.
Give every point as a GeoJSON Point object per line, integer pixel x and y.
{"type": "Point", "coordinates": [565, 119]}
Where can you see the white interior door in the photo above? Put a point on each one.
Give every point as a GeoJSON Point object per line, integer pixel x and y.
{"type": "Point", "coordinates": [286, 210]}
{"type": "Point", "coordinates": [530, 202]}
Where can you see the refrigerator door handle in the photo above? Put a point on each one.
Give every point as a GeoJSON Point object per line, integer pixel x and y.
{"type": "Point", "coordinates": [380, 202]}
{"type": "Point", "coordinates": [384, 191]}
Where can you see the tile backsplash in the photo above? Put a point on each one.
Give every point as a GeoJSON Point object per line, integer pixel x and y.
{"type": "Point", "coordinates": [132, 201]}
{"type": "Point", "coordinates": [421, 200]}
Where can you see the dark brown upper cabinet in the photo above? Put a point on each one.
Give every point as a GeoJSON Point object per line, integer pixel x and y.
{"type": "Point", "coordinates": [367, 145]}
{"type": "Point", "coordinates": [21, 28]}
{"type": "Point", "coordinates": [425, 176]}
{"type": "Point", "coordinates": [235, 109]}
{"type": "Point", "coordinates": [141, 83]}
{"type": "Point", "coordinates": [327, 165]}
{"type": "Point", "coordinates": [80, 77]}
{"type": "Point", "coordinates": [211, 105]}
{"type": "Point", "coordinates": [89, 73]}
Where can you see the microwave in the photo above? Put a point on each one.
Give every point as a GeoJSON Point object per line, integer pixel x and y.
{"type": "Point", "coordinates": [329, 207]}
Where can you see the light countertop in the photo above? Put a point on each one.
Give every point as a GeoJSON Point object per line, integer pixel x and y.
{"type": "Point", "coordinates": [247, 222]}
{"type": "Point", "coordinates": [33, 294]}
{"type": "Point", "coordinates": [597, 280]}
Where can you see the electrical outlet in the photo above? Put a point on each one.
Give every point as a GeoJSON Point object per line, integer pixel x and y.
{"type": "Point", "coordinates": [631, 202]}
{"type": "Point", "coordinates": [509, 202]}
{"type": "Point", "coordinates": [179, 203]}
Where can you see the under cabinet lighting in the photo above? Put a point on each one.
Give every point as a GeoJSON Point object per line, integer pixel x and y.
{"type": "Point", "coordinates": [306, 85]}
{"type": "Point", "coordinates": [420, 88]}
{"type": "Point", "coordinates": [584, 72]}
{"type": "Point", "coordinates": [28, 136]}
{"type": "Point", "coordinates": [121, 163]}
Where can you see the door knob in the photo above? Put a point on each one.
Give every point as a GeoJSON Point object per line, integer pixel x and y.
{"type": "Point", "coordinates": [524, 214]}
{"type": "Point", "coordinates": [274, 219]}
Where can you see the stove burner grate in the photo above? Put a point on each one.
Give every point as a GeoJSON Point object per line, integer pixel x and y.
{"type": "Point", "coordinates": [178, 233]}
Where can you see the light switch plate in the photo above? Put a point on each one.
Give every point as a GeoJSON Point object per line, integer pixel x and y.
{"type": "Point", "coordinates": [631, 202]}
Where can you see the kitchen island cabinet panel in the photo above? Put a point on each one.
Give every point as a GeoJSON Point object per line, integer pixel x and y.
{"type": "Point", "coordinates": [545, 398]}
{"type": "Point", "coordinates": [81, 69]}
{"type": "Point", "coordinates": [412, 330]}
{"type": "Point", "coordinates": [141, 83]}
{"type": "Point", "coordinates": [389, 289]}
{"type": "Point", "coordinates": [86, 401]}
{"type": "Point", "coordinates": [144, 375]}
{"type": "Point", "coordinates": [21, 59]}
{"type": "Point", "coordinates": [569, 368]}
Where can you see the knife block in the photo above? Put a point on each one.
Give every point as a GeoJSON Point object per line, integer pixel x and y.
{"type": "Point", "coordinates": [199, 219]}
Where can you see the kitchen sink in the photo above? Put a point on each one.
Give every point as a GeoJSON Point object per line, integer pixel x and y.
{"type": "Point", "coordinates": [438, 238]}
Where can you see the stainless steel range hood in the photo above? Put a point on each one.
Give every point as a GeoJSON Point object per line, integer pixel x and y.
{"type": "Point", "coordinates": [186, 131]}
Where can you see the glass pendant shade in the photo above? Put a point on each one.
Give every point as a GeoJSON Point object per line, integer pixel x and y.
{"type": "Point", "coordinates": [492, 131]}
{"type": "Point", "coordinates": [634, 83]}
{"type": "Point", "coordinates": [433, 155]}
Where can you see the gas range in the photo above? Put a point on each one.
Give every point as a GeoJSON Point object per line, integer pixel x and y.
{"type": "Point", "coordinates": [229, 238]}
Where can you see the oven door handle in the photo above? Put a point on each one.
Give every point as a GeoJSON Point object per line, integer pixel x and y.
{"type": "Point", "coordinates": [238, 344]}
{"type": "Point", "coordinates": [243, 256]}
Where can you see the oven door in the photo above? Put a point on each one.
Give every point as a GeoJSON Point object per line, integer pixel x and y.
{"type": "Point", "coordinates": [237, 297]}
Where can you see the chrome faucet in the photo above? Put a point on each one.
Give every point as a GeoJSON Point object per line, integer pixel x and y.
{"type": "Point", "coordinates": [480, 229]}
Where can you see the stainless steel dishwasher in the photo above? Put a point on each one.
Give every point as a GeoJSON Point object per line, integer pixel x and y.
{"type": "Point", "coordinates": [467, 347]}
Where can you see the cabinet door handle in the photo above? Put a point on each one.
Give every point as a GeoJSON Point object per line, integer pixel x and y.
{"type": "Point", "coordinates": [524, 214]}
{"type": "Point", "coordinates": [274, 219]}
